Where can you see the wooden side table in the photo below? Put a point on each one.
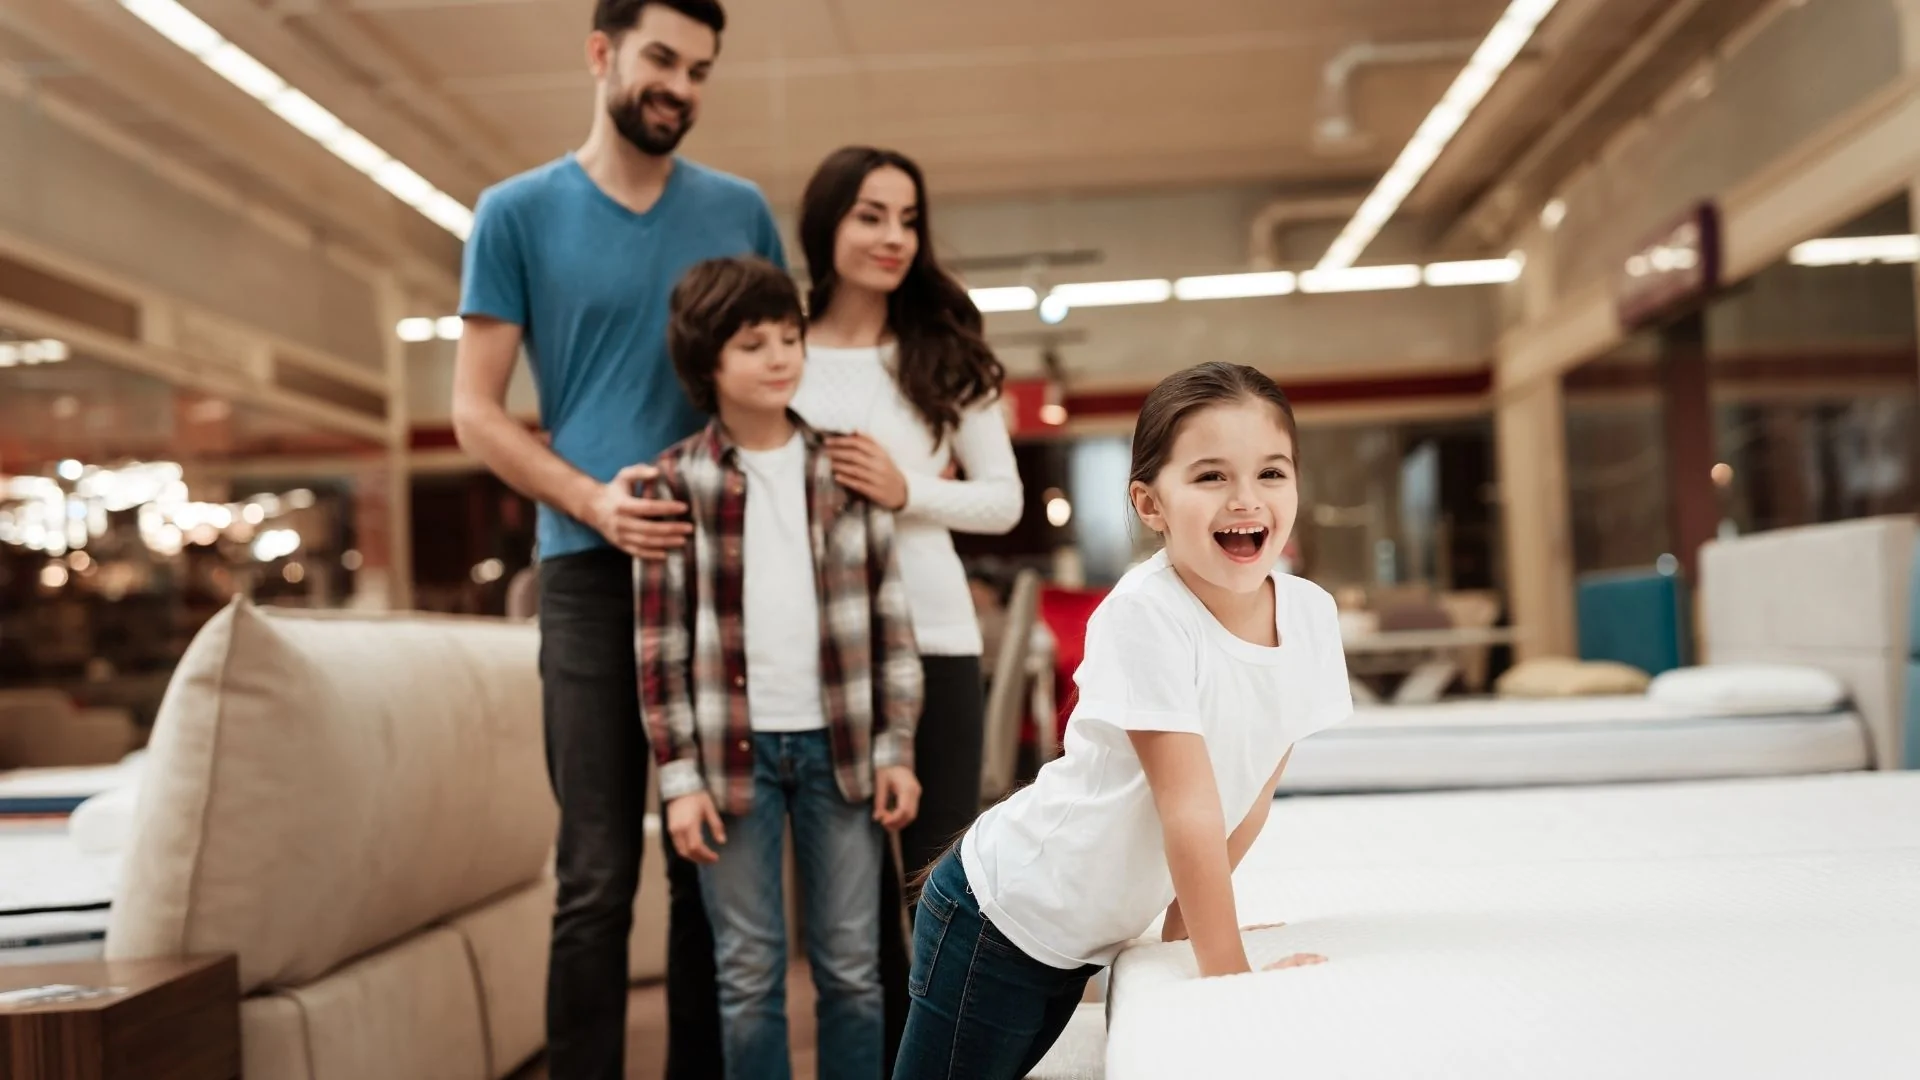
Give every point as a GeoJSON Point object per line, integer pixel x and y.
{"type": "Point", "coordinates": [169, 1019]}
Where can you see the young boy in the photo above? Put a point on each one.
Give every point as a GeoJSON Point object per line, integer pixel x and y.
{"type": "Point", "coordinates": [779, 677]}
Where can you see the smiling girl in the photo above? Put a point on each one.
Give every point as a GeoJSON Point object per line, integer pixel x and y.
{"type": "Point", "coordinates": [1203, 667]}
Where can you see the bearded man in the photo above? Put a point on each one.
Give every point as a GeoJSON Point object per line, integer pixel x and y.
{"type": "Point", "coordinates": [574, 261]}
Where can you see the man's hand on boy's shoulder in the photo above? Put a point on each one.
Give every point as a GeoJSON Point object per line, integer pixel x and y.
{"type": "Point", "coordinates": [896, 797]}
{"type": "Point", "coordinates": [689, 819]}
{"type": "Point", "coordinates": [633, 523]}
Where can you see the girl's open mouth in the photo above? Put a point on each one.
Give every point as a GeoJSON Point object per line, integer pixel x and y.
{"type": "Point", "coordinates": [1242, 543]}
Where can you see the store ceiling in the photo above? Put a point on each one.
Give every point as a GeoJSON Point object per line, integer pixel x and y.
{"type": "Point", "coordinates": [995, 97]}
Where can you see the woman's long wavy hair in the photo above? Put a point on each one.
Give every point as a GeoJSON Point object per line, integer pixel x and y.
{"type": "Point", "coordinates": [944, 365]}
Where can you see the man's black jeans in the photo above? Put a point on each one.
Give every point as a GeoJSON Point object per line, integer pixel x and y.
{"type": "Point", "coordinates": [597, 757]}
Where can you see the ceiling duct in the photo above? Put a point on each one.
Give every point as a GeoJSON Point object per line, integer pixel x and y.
{"type": "Point", "coordinates": [1043, 339]}
{"type": "Point", "coordinates": [1263, 244]}
{"type": "Point", "coordinates": [1024, 260]}
{"type": "Point", "coordinates": [1335, 130]}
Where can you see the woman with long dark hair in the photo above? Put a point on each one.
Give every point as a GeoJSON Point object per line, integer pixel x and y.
{"type": "Point", "coordinates": [898, 364]}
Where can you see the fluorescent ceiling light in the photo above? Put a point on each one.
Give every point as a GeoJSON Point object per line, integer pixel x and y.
{"type": "Point", "coordinates": [1844, 250]}
{"type": "Point", "coordinates": [185, 29]}
{"type": "Point", "coordinates": [244, 71]}
{"type": "Point", "coordinates": [31, 353]}
{"type": "Point", "coordinates": [1235, 286]}
{"type": "Point", "coordinates": [1062, 298]}
{"type": "Point", "coordinates": [1473, 272]}
{"type": "Point", "coordinates": [1360, 279]}
{"type": "Point", "coordinates": [1501, 45]}
{"type": "Point", "coordinates": [448, 212]}
{"type": "Point", "coordinates": [306, 114]}
{"type": "Point", "coordinates": [176, 24]}
{"type": "Point", "coordinates": [405, 184]}
{"type": "Point", "coordinates": [353, 148]}
{"type": "Point", "coordinates": [1112, 293]}
{"type": "Point", "coordinates": [1007, 298]}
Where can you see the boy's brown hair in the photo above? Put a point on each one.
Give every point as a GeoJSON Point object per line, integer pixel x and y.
{"type": "Point", "coordinates": [713, 300]}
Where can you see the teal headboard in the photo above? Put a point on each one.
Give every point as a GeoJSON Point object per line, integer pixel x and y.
{"type": "Point", "coordinates": [1635, 617]}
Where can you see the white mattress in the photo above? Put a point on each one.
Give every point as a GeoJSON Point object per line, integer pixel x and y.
{"type": "Point", "coordinates": [53, 938]}
{"type": "Point", "coordinates": [1504, 742]}
{"type": "Point", "coordinates": [59, 791]}
{"type": "Point", "coordinates": [54, 898]}
{"type": "Point", "coordinates": [41, 869]}
{"type": "Point", "coordinates": [1758, 928]}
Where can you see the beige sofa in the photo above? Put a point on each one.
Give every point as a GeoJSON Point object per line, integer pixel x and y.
{"type": "Point", "coordinates": [358, 808]}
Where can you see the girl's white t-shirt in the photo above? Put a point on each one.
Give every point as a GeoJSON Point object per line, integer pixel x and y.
{"type": "Point", "coordinates": [1072, 867]}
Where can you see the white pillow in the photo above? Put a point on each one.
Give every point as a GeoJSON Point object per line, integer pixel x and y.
{"type": "Point", "coordinates": [1749, 689]}
{"type": "Point", "coordinates": [102, 824]}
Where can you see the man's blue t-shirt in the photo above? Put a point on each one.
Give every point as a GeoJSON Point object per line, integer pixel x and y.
{"type": "Point", "coordinates": [587, 280]}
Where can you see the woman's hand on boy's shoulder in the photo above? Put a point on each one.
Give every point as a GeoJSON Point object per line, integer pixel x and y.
{"type": "Point", "coordinates": [896, 797]}
{"type": "Point", "coordinates": [862, 465]}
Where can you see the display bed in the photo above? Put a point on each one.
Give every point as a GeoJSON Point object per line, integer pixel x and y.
{"type": "Point", "coordinates": [1519, 743]}
{"type": "Point", "coordinates": [1754, 928]}
{"type": "Point", "coordinates": [1835, 598]}
{"type": "Point", "coordinates": [54, 898]}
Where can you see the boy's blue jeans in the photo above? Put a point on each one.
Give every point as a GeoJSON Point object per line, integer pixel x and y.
{"type": "Point", "coordinates": [837, 849]}
{"type": "Point", "coordinates": [981, 1008]}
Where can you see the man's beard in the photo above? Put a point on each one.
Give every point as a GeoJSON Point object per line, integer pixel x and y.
{"type": "Point", "coordinates": [654, 140]}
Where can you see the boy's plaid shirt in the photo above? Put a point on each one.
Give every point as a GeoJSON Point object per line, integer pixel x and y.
{"type": "Point", "coordinates": [692, 649]}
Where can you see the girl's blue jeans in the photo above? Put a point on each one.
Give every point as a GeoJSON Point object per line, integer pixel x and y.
{"type": "Point", "coordinates": [980, 1008]}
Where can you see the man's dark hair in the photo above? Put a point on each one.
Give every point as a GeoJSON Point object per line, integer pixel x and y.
{"type": "Point", "coordinates": [712, 302]}
{"type": "Point", "coordinates": [616, 17]}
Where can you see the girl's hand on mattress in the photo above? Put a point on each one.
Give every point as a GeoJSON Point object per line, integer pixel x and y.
{"type": "Point", "coordinates": [1299, 959]}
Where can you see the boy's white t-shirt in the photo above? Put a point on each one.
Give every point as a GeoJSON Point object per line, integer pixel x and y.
{"type": "Point", "coordinates": [1072, 867]}
{"type": "Point", "coordinates": [781, 601]}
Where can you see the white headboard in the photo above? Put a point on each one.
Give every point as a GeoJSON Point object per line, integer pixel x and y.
{"type": "Point", "coordinates": [1827, 596]}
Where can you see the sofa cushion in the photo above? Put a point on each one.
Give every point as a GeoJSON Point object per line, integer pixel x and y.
{"type": "Point", "coordinates": [507, 942]}
{"type": "Point", "coordinates": [410, 1012]}
{"type": "Point", "coordinates": [273, 1039]}
{"type": "Point", "coordinates": [319, 787]}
